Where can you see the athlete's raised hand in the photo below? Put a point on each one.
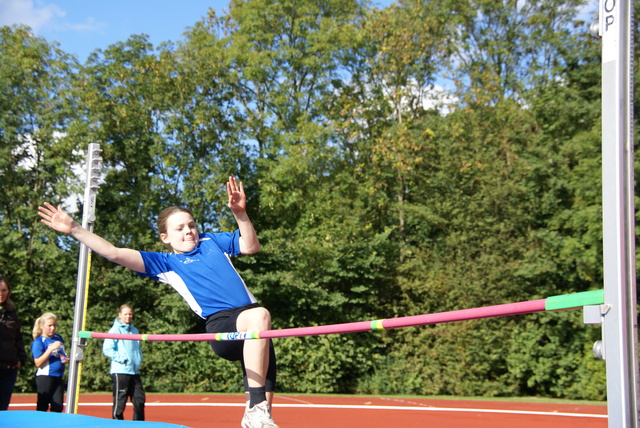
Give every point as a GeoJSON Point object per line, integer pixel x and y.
{"type": "Point", "coordinates": [237, 198]}
{"type": "Point", "coordinates": [56, 218]}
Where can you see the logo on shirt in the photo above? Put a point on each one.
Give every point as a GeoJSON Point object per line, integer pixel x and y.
{"type": "Point", "coordinates": [189, 260]}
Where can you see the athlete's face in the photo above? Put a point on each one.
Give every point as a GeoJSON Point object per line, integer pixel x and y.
{"type": "Point", "coordinates": [49, 327]}
{"type": "Point", "coordinates": [181, 234]}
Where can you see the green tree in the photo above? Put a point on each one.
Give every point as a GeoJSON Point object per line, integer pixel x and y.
{"type": "Point", "coordinates": [36, 155]}
{"type": "Point", "coordinates": [507, 47]}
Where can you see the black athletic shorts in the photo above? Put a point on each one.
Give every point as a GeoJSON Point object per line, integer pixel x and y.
{"type": "Point", "coordinates": [232, 350]}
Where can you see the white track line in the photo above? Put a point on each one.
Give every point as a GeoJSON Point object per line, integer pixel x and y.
{"type": "Point", "coordinates": [357, 407]}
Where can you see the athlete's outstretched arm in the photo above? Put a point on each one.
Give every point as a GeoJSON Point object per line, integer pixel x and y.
{"type": "Point", "coordinates": [57, 219]}
{"type": "Point", "coordinates": [249, 243]}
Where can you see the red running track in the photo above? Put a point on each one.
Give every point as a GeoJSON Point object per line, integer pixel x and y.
{"type": "Point", "coordinates": [317, 411]}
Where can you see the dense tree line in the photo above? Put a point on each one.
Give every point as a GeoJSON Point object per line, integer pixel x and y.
{"type": "Point", "coordinates": [425, 157]}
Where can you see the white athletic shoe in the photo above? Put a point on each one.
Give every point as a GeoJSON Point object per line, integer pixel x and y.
{"type": "Point", "coordinates": [258, 416]}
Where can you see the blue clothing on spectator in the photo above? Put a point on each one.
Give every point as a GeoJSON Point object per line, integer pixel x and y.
{"type": "Point", "coordinates": [125, 355]}
{"type": "Point", "coordinates": [53, 366]}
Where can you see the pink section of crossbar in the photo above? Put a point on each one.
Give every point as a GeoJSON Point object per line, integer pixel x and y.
{"type": "Point", "coordinates": [156, 337]}
{"type": "Point", "coordinates": [468, 314]}
{"type": "Point", "coordinates": [353, 327]}
{"type": "Point", "coordinates": [442, 317]}
{"type": "Point", "coordinates": [416, 320]}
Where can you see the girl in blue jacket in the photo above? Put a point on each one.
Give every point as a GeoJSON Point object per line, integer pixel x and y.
{"type": "Point", "coordinates": [126, 358]}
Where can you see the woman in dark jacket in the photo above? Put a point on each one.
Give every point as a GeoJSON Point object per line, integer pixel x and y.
{"type": "Point", "coordinates": [12, 354]}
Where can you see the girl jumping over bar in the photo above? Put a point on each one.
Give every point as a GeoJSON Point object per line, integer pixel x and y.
{"type": "Point", "coordinates": [199, 268]}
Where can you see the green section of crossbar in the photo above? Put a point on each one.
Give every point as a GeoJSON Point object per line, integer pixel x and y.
{"type": "Point", "coordinates": [84, 334]}
{"type": "Point", "coordinates": [574, 300]}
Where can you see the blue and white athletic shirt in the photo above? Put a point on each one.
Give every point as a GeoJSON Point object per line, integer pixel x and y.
{"type": "Point", "coordinates": [53, 366]}
{"type": "Point", "coordinates": [205, 277]}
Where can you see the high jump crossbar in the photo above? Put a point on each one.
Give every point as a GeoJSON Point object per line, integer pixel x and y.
{"type": "Point", "coordinates": [553, 303]}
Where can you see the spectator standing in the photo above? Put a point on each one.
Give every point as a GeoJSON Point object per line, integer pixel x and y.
{"type": "Point", "coordinates": [49, 357]}
{"type": "Point", "coordinates": [126, 357]}
{"type": "Point", "coordinates": [12, 354]}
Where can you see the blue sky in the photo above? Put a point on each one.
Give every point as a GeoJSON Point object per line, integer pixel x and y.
{"type": "Point", "coordinates": [82, 26]}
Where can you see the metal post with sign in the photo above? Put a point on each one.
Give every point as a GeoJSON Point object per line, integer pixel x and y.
{"type": "Point", "coordinates": [88, 217]}
{"type": "Point", "coordinates": [619, 320]}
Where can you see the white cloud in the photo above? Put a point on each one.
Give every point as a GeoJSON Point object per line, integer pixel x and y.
{"type": "Point", "coordinates": [89, 25]}
{"type": "Point", "coordinates": [35, 14]}
{"type": "Point", "coordinates": [39, 14]}
{"type": "Point", "coordinates": [589, 11]}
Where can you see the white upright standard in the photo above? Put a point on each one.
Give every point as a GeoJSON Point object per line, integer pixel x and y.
{"type": "Point", "coordinates": [619, 314]}
{"type": "Point", "coordinates": [88, 218]}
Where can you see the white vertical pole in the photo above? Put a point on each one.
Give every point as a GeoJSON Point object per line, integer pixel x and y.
{"type": "Point", "coordinates": [620, 326]}
{"type": "Point", "coordinates": [88, 217]}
